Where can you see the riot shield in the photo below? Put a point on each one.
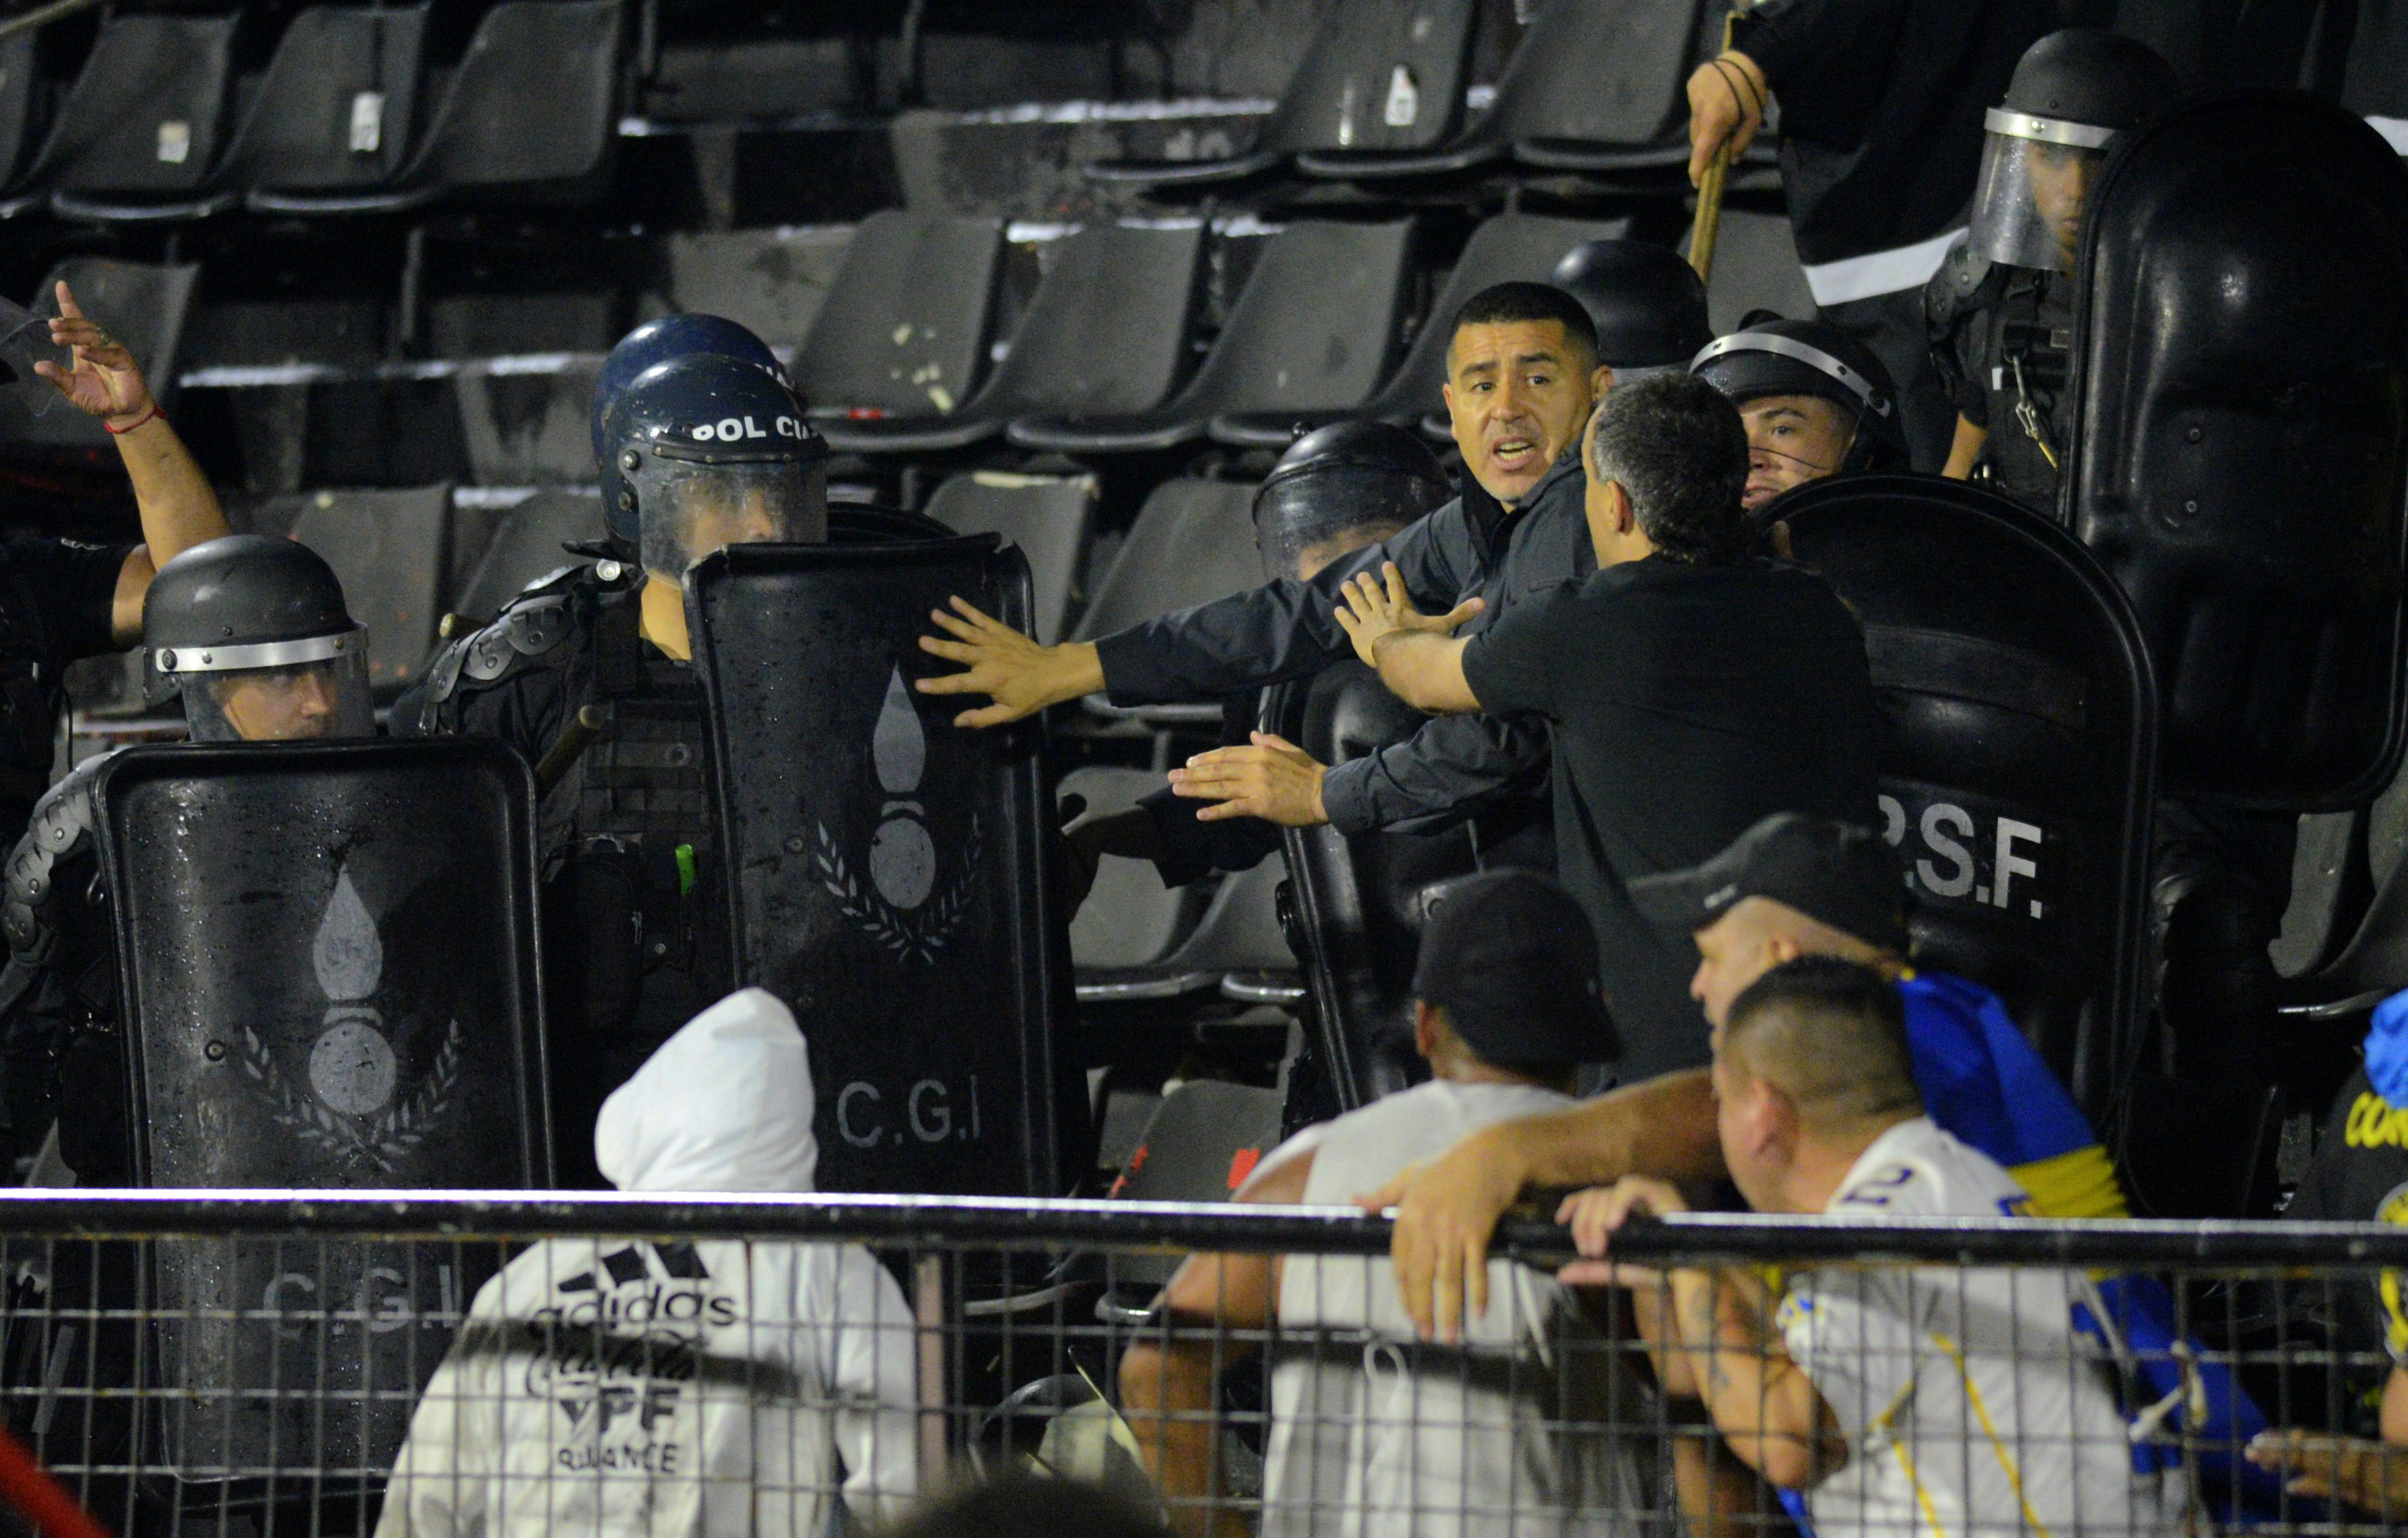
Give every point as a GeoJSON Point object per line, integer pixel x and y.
{"type": "Point", "coordinates": [2240, 453]}
{"type": "Point", "coordinates": [329, 980]}
{"type": "Point", "coordinates": [2018, 749]}
{"type": "Point", "coordinates": [1353, 907]}
{"type": "Point", "coordinates": [888, 872]}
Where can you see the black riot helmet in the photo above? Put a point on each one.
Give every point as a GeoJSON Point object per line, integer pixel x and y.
{"type": "Point", "coordinates": [254, 633]}
{"type": "Point", "coordinates": [1346, 479]}
{"type": "Point", "coordinates": [2042, 147]}
{"type": "Point", "coordinates": [1777, 357]}
{"type": "Point", "coordinates": [711, 451]}
{"type": "Point", "coordinates": [1648, 303]}
{"type": "Point", "coordinates": [656, 342]}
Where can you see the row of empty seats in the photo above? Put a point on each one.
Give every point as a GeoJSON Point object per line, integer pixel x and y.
{"type": "Point", "coordinates": [350, 116]}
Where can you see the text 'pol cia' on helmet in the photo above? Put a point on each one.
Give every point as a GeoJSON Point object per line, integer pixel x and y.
{"type": "Point", "coordinates": [1648, 303]}
{"type": "Point", "coordinates": [711, 451]}
{"type": "Point", "coordinates": [254, 633]}
{"type": "Point", "coordinates": [1340, 479]}
{"type": "Point", "coordinates": [2042, 147]}
{"type": "Point", "coordinates": [650, 345]}
{"type": "Point", "coordinates": [1777, 357]}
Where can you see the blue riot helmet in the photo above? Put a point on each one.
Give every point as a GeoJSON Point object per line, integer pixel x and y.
{"type": "Point", "coordinates": [710, 451]}
{"type": "Point", "coordinates": [652, 343]}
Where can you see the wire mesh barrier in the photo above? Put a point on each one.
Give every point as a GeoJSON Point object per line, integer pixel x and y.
{"type": "Point", "coordinates": [424, 1363]}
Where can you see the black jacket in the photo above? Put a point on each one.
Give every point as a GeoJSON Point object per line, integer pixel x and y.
{"type": "Point", "coordinates": [1456, 766]}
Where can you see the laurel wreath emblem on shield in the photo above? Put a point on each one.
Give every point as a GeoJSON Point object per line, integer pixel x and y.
{"type": "Point", "coordinates": [906, 935]}
{"type": "Point", "coordinates": [382, 1139]}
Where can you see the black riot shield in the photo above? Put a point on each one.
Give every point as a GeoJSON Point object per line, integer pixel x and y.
{"type": "Point", "coordinates": [2017, 749]}
{"type": "Point", "coordinates": [1353, 907]}
{"type": "Point", "coordinates": [2241, 345]}
{"type": "Point", "coordinates": [329, 981]}
{"type": "Point", "coordinates": [888, 872]}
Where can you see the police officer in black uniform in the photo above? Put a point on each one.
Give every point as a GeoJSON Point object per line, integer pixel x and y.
{"type": "Point", "coordinates": [252, 632]}
{"type": "Point", "coordinates": [1999, 311]}
{"type": "Point", "coordinates": [1815, 401]}
{"type": "Point", "coordinates": [1335, 490]}
{"type": "Point", "coordinates": [588, 674]}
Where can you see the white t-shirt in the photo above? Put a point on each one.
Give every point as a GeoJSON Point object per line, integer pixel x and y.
{"type": "Point", "coordinates": [1970, 1406]}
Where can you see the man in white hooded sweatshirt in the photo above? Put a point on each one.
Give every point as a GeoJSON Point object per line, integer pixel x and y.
{"type": "Point", "coordinates": [722, 1388]}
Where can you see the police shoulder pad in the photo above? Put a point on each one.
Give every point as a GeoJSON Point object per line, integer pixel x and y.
{"type": "Point", "coordinates": [60, 830]}
{"type": "Point", "coordinates": [1968, 280]}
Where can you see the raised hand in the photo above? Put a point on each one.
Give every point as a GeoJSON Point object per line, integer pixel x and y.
{"type": "Point", "coordinates": [1020, 676]}
{"type": "Point", "coordinates": [103, 380]}
{"type": "Point", "coordinates": [1375, 609]}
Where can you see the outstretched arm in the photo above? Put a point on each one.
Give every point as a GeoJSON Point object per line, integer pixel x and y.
{"type": "Point", "coordinates": [179, 507]}
{"type": "Point", "coordinates": [1414, 654]}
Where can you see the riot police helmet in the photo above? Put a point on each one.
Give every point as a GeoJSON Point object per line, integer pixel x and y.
{"type": "Point", "coordinates": [652, 343]}
{"type": "Point", "coordinates": [1648, 303]}
{"type": "Point", "coordinates": [1342, 480]}
{"type": "Point", "coordinates": [711, 451]}
{"type": "Point", "coordinates": [254, 634]}
{"type": "Point", "coordinates": [2042, 147]}
{"type": "Point", "coordinates": [1771, 356]}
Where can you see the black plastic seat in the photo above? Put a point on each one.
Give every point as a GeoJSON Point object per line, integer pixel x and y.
{"type": "Point", "coordinates": [1380, 75]}
{"type": "Point", "coordinates": [391, 551]}
{"type": "Point", "coordinates": [1131, 924]}
{"type": "Point", "coordinates": [527, 420]}
{"type": "Point", "coordinates": [1595, 86]}
{"type": "Point", "coordinates": [1506, 249]}
{"type": "Point", "coordinates": [1756, 268]}
{"type": "Point", "coordinates": [1193, 542]}
{"type": "Point", "coordinates": [142, 305]}
{"type": "Point", "coordinates": [2374, 79]}
{"type": "Point", "coordinates": [1312, 331]}
{"type": "Point", "coordinates": [1104, 333]}
{"type": "Point", "coordinates": [902, 333]}
{"type": "Point", "coordinates": [141, 125]}
{"type": "Point", "coordinates": [531, 116]}
{"type": "Point", "coordinates": [17, 140]}
{"type": "Point", "coordinates": [528, 545]}
{"type": "Point", "coordinates": [337, 108]}
{"type": "Point", "coordinates": [1048, 517]}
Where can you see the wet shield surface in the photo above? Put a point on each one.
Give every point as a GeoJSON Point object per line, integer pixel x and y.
{"type": "Point", "coordinates": [886, 868]}
{"type": "Point", "coordinates": [2241, 348]}
{"type": "Point", "coordinates": [2017, 743]}
{"type": "Point", "coordinates": [1354, 907]}
{"type": "Point", "coordinates": [329, 981]}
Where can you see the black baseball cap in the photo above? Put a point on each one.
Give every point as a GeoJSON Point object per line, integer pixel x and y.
{"type": "Point", "coordinates": [1511, 959]}
{"type": "Point", "coordinates": [1834, 873]}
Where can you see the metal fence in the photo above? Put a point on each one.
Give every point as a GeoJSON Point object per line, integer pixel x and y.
{"type": "Point", "coordinates": [440, 1363]}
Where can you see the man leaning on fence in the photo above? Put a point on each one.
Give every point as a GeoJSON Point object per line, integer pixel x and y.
{"type": "Point", "coordinates": [1903, 1399]}
{"type": "Point", "coordinates": [1510, 1432]}
{"type": "Point", "coordinates": [677, 1390]}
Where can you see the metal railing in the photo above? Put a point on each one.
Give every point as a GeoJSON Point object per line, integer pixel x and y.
{"type": "Point", "coordinates": [263, 1362]}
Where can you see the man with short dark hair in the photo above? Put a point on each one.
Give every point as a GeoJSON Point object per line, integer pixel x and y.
{"type": "Point", "coordinates": [1501, 1437]}
{"type": "Point", "coordinates": [1689, 690]}
{"type": "Point", "coordinates": [1522, 376]}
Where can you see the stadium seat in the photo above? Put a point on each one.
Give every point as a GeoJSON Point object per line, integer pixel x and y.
{"type": "Point", "coordinates": [1385, 74]}
{"type": "Point", "coordinates": [1201, 1142]}
{"type": "Point", "coordinates": [1595, 86]}
{"type": "Point", "coordinates": [1311, 333]}
{"type": "Point", "coordinates": [337, 108]}
{"type": "Point", "coordinates": [527, 419]}
{"type": "Point", "coordinates": [527, 546]}
{"type": "Point", "coordinates": [1239, 933]}
{"type": "Point", "coordinates": [903, 330]}
{"type": "Point", "coordinates": [143, 307]}
{"type": "Point", "coordinates": [531, 116]}
{"type": "Point", "coordinates": [1130, 920]}
{"type": "Point", "coordinates": [1047, 517]}
{"type": "Point", "coordinates": [2374, 79]}
{"type": "Point", "coordinates": [773, 282]}
{"type": "Point", "coordinates": [1510, 247]}
{"type": "Point", "coordinates": [391, 551]}
{"type": "Point", "coordinates": [142, 122]}
{"type": "Point", "coordinates": [1193, 542]}
{"type": "Point", "coordinates": [1104, 333]}
{"type": "Point", "coordinates": [1756, 268]}
{"type": "Point", "coordinates": [18, 142]}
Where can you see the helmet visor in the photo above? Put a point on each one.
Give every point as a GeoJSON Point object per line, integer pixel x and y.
{"type": "Point", "coordinates": [2036, 178]}
{"type": "Point", "coordinates": [299, 702]}
{"type": "Point", "coordinates": [691, 510]}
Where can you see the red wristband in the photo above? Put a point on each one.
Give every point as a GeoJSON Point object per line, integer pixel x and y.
{"type": "Point", "coordinates": [143, 420]}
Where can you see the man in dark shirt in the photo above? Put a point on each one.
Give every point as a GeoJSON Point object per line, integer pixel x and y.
{"type": "Point", "coordinates": [1689, 690]}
